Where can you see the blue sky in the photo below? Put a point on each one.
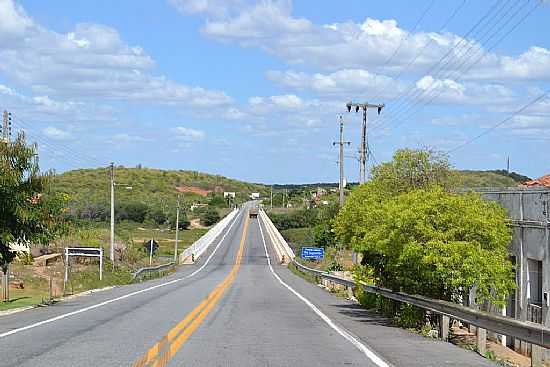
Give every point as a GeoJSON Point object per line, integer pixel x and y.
{"type": "Point", "coordinates": [253, 89]}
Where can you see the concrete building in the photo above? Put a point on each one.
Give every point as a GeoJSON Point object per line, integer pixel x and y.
{"type": "Point", "coordinates": [528, 208]}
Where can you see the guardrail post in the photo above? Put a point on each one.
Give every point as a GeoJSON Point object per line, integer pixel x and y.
{"type": "Point", "coordinates": [481, 341]}
{"type": "Point", "coordinates": [536, 355]}
{"type": "Point", "coordinates": [444, 327]}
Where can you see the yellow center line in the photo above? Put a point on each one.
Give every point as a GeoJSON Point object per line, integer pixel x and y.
{"type": "Point", "coordinates": [177, 336]}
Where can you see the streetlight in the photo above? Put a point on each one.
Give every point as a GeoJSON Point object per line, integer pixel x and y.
{"type": "Point", "coordinates": [113, 184]}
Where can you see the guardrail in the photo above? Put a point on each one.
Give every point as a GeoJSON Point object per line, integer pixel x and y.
{"type": "Point", "coordinates": [198, 247]}
{"type": "Point", "coordinates": [282, 249]}
{"type": "Point", "coordinates": [529, 332]}
{"type": "Point", "coordinates": [152, 269]}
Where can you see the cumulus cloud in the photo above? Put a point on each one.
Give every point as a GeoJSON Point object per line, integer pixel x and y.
{"type": "Point", "coordinates": [188, 134]}
{"type": "Point", "coordinates": [342, 82]}
{"type": "Point", "coordinates": [369, 44]}
{"type": "Point", "coordinates": [90, 61]}
{"type": "Point", "coordinates": [55, 133]}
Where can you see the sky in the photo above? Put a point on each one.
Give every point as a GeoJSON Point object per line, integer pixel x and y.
{"type": "Point", "coordinates": [254, 89]}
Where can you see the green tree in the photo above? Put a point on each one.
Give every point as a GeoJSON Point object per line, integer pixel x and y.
{"type": "Point", "coordinates": [418, 238]}
{"type": "Point", "coordinates": [209, 216]}
{"type": "Point", "coordinates": [413, 169]}
{"type": "Point", "coordinates": [29, 211]}
{"type": "Point", "coordinates": [157, 215]}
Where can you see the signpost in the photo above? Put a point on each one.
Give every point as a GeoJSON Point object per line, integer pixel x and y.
{"type": "Point", "coordinates": [312, 253]}
{"type": "Point", "coordinates": [82, 251]}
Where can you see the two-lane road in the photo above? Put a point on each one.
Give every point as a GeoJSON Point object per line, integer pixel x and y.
{"type": "Point", "coordinates": [232, 308]}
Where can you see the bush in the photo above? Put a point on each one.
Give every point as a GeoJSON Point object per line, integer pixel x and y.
{"type": "Point", "coordinates": [209, 217]}
{"type": "Point", "coordinates": [157, 216]}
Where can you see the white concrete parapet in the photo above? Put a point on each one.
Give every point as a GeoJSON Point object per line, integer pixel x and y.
{"type": "Point", "coordinates": [192, 253]}
{"type": "Point", "coordinates": [282, 249]}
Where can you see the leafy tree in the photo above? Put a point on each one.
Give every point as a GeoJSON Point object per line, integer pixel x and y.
{"type": "Point", "coordinates": [418, 238]}
{"type": "Point", "coordinates": [217, 201]}
{"type": "Point", "coordinates": [209, 216]}
{"type": "Point", "coordinates": [157, 215]}
{"type": "Point", "coordinates": [132, 210]}
{"type": "Point", "coordinates": [184, 222]}
{"type": "Point", "coordinates": [29, 211]}
{"type": "Point", "coordinates": [413, 169]}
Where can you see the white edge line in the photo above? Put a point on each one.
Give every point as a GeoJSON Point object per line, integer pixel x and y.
{"type": "Point", "coordinates": [97, 305]}
{"type": "Point", "coordinates": [369, 353]}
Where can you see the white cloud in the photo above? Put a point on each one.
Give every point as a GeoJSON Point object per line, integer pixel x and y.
{"type": "Point", "coordinates": [188, 134]}
{"type": "Point", "coordinates": [90, 61]}
{"type": "Point", "coordinates": [124, 138]}
{"type": "Point", "coordinates": [56, 133]}
{"type": "Point", "coordinates": [342, 82]}
{"type": "Point", "coordinates": [270, 25]}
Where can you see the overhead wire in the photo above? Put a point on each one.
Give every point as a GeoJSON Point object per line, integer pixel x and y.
{"type": "Point", "coordinates": [59, 150]}
{"type": "Point", "coordinates": [500, 123]}
{"type": "Point", "coordinates": [462, 68]}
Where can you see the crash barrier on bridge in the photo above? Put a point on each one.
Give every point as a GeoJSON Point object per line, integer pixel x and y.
{"type": "Point", "coordinates": [282, 249]}
{"type": "Point", "coordinates": [192, 253]}
{"type": "Point", "coordinates": [148, 272]}
{"type": "Point", "coordinates": [529, 332]}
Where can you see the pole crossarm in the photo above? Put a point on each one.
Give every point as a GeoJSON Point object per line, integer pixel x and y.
{"type": "Point", "coordinates": [363, 147]}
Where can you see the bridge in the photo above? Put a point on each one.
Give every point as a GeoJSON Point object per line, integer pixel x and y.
{"type": "Point", "coordinates": [237, 305]}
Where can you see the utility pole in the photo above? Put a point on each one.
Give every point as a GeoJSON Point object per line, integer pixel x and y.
{"type": "Point", "coordinates": [6, 126]}
{"type": "Point", "coordinates": [112, 248]}
{"type": "Point", "coordinates": [508, 164]}
{"type": "Point", "coordinates": [283, 197]}
{"type": "Point", "coordinates": [341, 143]}
{"type": "Point", "coordinates": [271, 206]}
{"type": "Point", "coordinates": [364, 140]}
{"type": "Point", "coordinates": [177, 231]}
{"type": "Point", "coordinates": [113, 186]}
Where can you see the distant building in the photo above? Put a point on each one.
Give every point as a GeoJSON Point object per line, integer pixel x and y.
{"type": "Point", "coordinates": [229, 194]}
{"type": "Point", "coordinates": [255, 195]}
{"type": "Point", "coordinates": [543, 181]}
{"type": "Point", "coordinates": [197, 205]}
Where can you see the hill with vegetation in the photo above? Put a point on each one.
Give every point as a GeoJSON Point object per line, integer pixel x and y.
{"type": "Point", "coordinates": [152, 189]}
{"type": "Point", "coordinates": [494, 178]}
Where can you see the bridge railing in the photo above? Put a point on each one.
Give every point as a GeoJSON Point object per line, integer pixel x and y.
{"type": "Point", "coordinates": [144, 272]}
{"type": "Point", "coordinates": [529, 332]}
{"type": "Point", "coordinates": [282, 249]}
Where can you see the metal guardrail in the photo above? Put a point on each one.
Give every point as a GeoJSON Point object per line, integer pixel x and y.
{"type": "Point", "coordinates": [529, 332]}
{"type": "Point", "coordinates": [151, 269]}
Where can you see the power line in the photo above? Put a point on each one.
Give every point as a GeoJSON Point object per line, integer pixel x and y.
{"type": "Point", "coordinates": [66, 153]}
{"type": "Point", "coordinates": [431, 94]}
{"type": "Point", "coordinates": [401, 41]}
{"type": "Point", "coordinates": [485, 132]}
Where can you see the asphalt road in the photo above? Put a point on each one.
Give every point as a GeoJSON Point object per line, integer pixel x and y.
{"type": "Point", "coordinates": [237, 310]}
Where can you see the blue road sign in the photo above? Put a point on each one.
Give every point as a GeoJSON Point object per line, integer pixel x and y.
{"type": "Point", "coordinates": [313, 253]}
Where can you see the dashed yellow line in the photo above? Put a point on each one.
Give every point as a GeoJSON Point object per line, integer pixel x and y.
{"type": "Point", "coordinates": [165, 349]}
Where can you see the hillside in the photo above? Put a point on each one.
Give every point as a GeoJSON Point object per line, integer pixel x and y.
{"type": "Point", "coordinates": [89, 189]}
{"type": "Point", "coordinates": [496, 178]}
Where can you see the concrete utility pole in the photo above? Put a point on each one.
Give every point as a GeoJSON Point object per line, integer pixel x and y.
{"type": "Point", "coordinates": [6, 126]}
{"type": "Point", "coordinates": [113, 186]}
{"type": "Point", "coordinates": [271, 206]}
{"type": "Point", "coordinates": [112, 248]}
{"type": "Point", "coordinates": [177, 231]}
{"type": "Point", "coordinates": [364, 140]}
{"type": "Point", "coordinates": [341, 143]}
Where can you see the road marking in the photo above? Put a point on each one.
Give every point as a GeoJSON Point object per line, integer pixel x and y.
{"type": "Point", "coordinates": [104, 303]}
{"type": "Point", "coordinates": [161, 353]}
{"type": "Point", "coordinates": [369, 353]}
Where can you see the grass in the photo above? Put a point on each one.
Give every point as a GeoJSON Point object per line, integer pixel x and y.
{"type": "Point", "coordinates": [298, 238]}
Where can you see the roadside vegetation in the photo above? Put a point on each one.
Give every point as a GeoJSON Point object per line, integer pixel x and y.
{"type": "Point", "coordinates": [50, 212]}
{"type": "Point", "coordinates": [414, 232]}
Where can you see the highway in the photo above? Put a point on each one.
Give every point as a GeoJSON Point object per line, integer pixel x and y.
{"type": "Point", "coordinates": [231, 308]}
